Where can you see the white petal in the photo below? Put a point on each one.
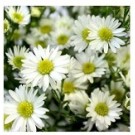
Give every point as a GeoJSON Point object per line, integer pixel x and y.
{"type": "Point", "coordinates": [11, 118]}
{"type": "Point", "coordinates": [18, 124]}
{"type": "Point", "coordinates": [46, 82]}
{"type": "Point", "coordinates": [38, 121]}
{"type": "Point", "coordinates": [31, 125]}
{"type": "Point", "coordinates": [56, 76]}
{"type": "Point", "coordinates": [14, 95]}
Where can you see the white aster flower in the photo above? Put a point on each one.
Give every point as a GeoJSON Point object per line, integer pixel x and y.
{"type": "Point", "coordinates": [123, 58]}
{"type": "Point", "coordinates": [25, 110]}
{"type": "Point", "coordinates": [35, 11]}
{"type": "Point", "coordinates": [35, 41]}
{"type": "Point", "coordinates": [18, 35]}
{"type": "Point", "coordinates": [61, 38]}
{"type": "Point", "coordinates": [65, 22]}
{"type": "Point", "coordinates": [103, 109]}
{"type": "Point", "coordinates": [19, 15]}
{"type": "Point", "coordinates": [105, 33]}
{"type": "Point", "coordinates": [116, 89]}
{"type": "Point", "coordinates": [111, 59]}
{"type": "Point", "coordinates": [88, 66]}
{"type": "Point", "coordinates": [44, 29]}
{"type": "Point", "coordinates": [16, 56]}
{"type": "Point", "coordinates": [6, 25]}
{"type": "Point", "coordinates": [44, 67]}
{"type": "Point", "coordinates": [81, 30]}
{"type": "Point", "coordinates": [78, 101]}
{"type": "Point", "coordinates": [70, 85]}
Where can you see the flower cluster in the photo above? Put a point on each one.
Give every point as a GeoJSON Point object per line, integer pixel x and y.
{"type": "Point", "coordinates": [68, 68]}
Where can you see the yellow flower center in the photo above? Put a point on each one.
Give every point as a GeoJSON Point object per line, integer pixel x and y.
{"type": "Point", "coordinates": [6, 25]}
{"type": "Point", "coordinates": [118, 94]}
{"type": "Point", "coordinates": [62, 39]}
{"type": "Point", "coordinates": [88, 68]}
{"type": "Point", "coordinates": [110, 57]}
{"type": "Point", "coordinates": [17, 61]}
{"type": "Point", "coordinates": [16, 35]}
{"type": "Point", "coordinates": [45, 29]}
{"type": "Point", "coordinates": [126, 58]}
{"type": "Point", "coordinates": [102, 109]}
{"type": "Point", "coordinates": [41, 43]}
{"type": "Point", "coordinates": [25, 109]}
{"type": "Point", "coordinates": [8, 126]}
{"type": "Point", "coordinates": [85, 34]}
{"type": "Point", "coordinates": [105, 34]}
{"type": "Point", "coordinates": [17, 17]}
{"type": "Point", "coordinates": [45, 66]}
{"type": "Point", "coordinates": [68, 87]}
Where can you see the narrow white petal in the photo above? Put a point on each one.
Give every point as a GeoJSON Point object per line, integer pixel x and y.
{"type": "Point", "coordinates": [38, 121]}
{"type": "Point", "coordinates": [11, 118]}
{"type": "Point", "coordinates": [18, 124]}
{"type": "Point", "coordinates": [14, 95]}
{"type": "Point", "coordinates": [31, 125]}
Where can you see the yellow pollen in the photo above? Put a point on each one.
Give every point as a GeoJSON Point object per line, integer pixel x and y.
{"type": "Point", "coordinates": [45, 66]}
{"type": "Point", "coordinates": [85, 34]}
{"type": "Point", "coordinates": [17, 61]}
{"type": "Point", "coordinates": [40, 43]}
{"type": "Point", "coordinates": [16, 35]}
{"type": "Point", "coordinates": [45, 29]}
{"type": "Point", "coordinates": [118, 94]}
{"type": "Point", "coordinates": [68, 87]}
{"type": "Point", "coordinates": [102, 109]}
{"type": "Point", "coordinates": [6, 25]}
{"type": "Point", "coordinates": [17, 17]}
{"type": "Point", "coordinates": [62, 39]}
{"type": "Point", "coordinates": [105, 34]}
{"type": "Point", "coordinates": [126, 58]}
{"type": "Point", "coordinates": [25, 109]}
{"type": "Point", "coordinates": [88, 68]}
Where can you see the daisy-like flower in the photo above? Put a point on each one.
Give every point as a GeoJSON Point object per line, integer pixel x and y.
{"type": "Point", "coordinates": [81, 30]}
{"type": "Point", "coordinates": [6, 25]}
{"type": "Point", "coordinates": [70, 85]}
{"type": "Point", "coordinates": [45, 27]}
{"type": "Point", "coordinates": [16, 56]}
{"type": "Point", "coordinates": [103, 109]}
{"type": "Point", "coordinates": [110, 57]}
{"type": "Point", "coordinates": [116, 89]}
{"type": "Point", "coordinates": [105, 33]}
{"type": "Point", "coordinates": [88, 66]}
{"type": "Point", "coordinates": [19, 15]}
{"type": "Point", "coordinates": [35, 41]}
{"type": "Point", "coordinates": [78, 101]}
{"type": "Point", "coordinates": [25, 110]}
{"type": "Point", "coordinates": [123, 58]}
{"type": "Point", "coordinates": [18, 35]}
{"type": "Point", "coordinates": [65, 22]}
{"type": "Point", "coordinates": [35, 11]}
{"type": "Point", "coordinates": [61, 38]}
{"type": "Point", "coordinates": [44, 67]}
